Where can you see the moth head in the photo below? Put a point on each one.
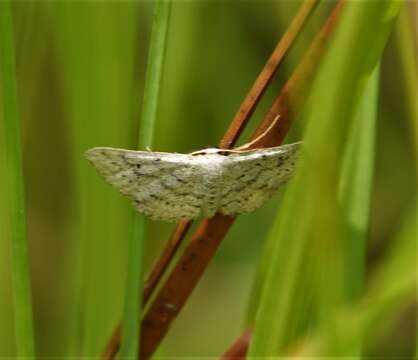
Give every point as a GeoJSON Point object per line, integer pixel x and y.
{"type": "Point", "coordinates": [211, 151]}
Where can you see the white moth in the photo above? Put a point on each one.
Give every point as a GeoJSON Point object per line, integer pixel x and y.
{"type": "Point", "coordinates": [172, 187]}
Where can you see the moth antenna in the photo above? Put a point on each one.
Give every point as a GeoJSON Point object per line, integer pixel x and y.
{"type": "Point", "coordinates": [264, 133]}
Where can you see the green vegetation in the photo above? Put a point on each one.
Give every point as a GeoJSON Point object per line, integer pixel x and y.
{"type": "Point", "coordinates": [131, 316]}
{"type": "Point", "coordinates": [14, 193]}
{"type": "Point", "coordinates": [334, 251]}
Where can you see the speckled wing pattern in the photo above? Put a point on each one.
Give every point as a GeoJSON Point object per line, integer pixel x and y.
{"type": "Point", "coordinates": [172, 187]}
{"type": "Point", "coordinates": [251, 178]}
{"type": "Point", "coordinates": [163, 186]}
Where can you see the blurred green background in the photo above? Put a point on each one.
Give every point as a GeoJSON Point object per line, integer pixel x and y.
{"type": "Point", "coordinates": [80, 72]}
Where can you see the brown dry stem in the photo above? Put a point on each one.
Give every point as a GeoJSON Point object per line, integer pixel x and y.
{"type": "Point", "coordinates": [238, 350]}
{"type": "Point", "coordinates": [235, 129]}
{"type": "Point", "coordinates": [266, 75]}
{"type": "Point", "coordinates": [211, 232]}
{"type": "Point", "coordinates": [302, 75]}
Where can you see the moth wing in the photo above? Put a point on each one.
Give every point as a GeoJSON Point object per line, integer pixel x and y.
{"type": "Point", "coordinates": [163, 186]}
{"type": "Point", "coordinates": [252, 177]}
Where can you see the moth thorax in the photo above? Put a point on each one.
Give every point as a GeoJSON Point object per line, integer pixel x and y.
{"type": "Point", "coordinates": [212, 190]}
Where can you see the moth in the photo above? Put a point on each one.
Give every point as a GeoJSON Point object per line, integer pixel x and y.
{"type": "Point", "coordinates": [173, 187]}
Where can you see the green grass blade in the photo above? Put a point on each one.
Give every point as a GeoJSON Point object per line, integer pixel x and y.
{"type": "Point", "coordinates": [96, 53]}
{"type": "Point", "coordinates": [391, 289]}
{"type": "Point", "coordinates": [356, 185]}
{"type": "Point", "coordinates": [13, 152]}
{"type": "Point", "coordinates": [407, 53]}
{"type": "Point", "coordinates": [131, 318]}
{"type": "Point", "coordinates": [310, 221]}
{"type": "Point", "coordinates": [154, 72]}
{"type": "Point", "coordinates": [393, 284]}
{"type": "Point", "coordinates": [355, 200]}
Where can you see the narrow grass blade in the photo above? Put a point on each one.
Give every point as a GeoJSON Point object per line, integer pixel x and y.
{"type": "Point", "coordinates": [392, 289]}
{"type": "Point", "coordinates": [407, 53]}
{"type": "Point", "coordinates": [131, 314]}
{"type": "Point", "coordinates": [25, 343]}
{"type": "Point", "coordinates": [354, 199]}
{"type": "Point", "coordinates": [310, 220]}
{"type": "Point", "coordinates": [356, 185]}
{"type": "Point", "coordinates": [96, 48]}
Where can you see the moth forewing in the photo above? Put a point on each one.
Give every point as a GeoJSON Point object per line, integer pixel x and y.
{"type": "Point", "coordinates": [172, 187]}
{"type": "Point", "coordinates": [251, 179]}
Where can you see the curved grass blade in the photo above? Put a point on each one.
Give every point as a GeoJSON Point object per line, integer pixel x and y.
{"type": "Point", "coordinates": [310, 218]}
